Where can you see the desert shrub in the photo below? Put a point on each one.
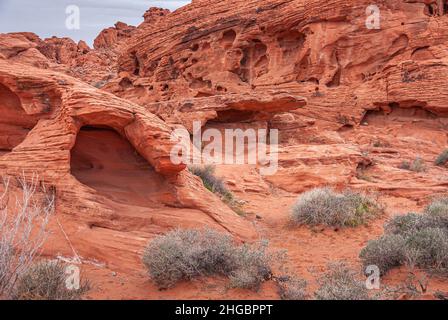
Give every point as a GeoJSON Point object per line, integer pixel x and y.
{"type": "Point", "coordinates": [415, 240]}
{"type": "Point", "coordinates": [252, 259]}
{"type": "Point", "coordinates": [217, 186]}
{"type": "Point", "coordinates": [405, 224]}
{"type": "Point", "coordinates": [47, 281]}
{"type": "Point", "coordinates": [292, 288]}
{"type": "Point", "coordinates": [442, 159]}
{"type": "Point", "coordinates": [186, 254]}
{"type": "Point", "coordinates": [340, 283]}
{"type": "Point", "coordinates": [386, 252]}
{"type": "Point", "coordinates": [438, 213]}
{"type": "Point", "coordinates": [435, 216]}
{"type": "Point", "coordinates": [418, 165]}
{"type": "Point", "coordinates": [428, 248]}
{"type": "Point", "coordinates": [438, 207]}
{"type": "Point", "coordinates": [323, 206]}
{"type": "Point", "coordinates": [405, 165]}
{"type": "Point", "coordinates": [245, 279]}
{"type": "Point", "coordinates": [25, 208]}
{"type": "Point", "coordinates": [211, 181]}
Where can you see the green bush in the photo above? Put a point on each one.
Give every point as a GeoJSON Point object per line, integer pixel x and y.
{"type": "Point", "coordinates": [340, 283]}
{"type": "Point", "coordinates": [187, 254]}
{"type": "Point", "coordinates": [211, 181]}
{"type": "Point", "coordinates": [47, 281]}
{"type": "Point", "coordinates": [217, 186]}
{"type": "Point", "coordinates": [386, 252]}
{"type": "Point", "coordinates": [323, 206]}
{"type": "Point", "coordinates": [415, 240]}
{"type": "Point", "coordinates": [442, 159]}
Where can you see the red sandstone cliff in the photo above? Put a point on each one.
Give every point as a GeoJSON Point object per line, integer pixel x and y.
{"type": "Point", "coordinates": [351, 104]}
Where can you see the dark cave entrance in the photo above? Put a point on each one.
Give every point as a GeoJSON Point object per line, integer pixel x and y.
{"type": "Point", "coordinates": [105, 161]}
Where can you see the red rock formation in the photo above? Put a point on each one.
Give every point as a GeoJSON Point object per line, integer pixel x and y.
{"type": "Point", "coordinates": [153, 15]}
{"type": "Point", "coordinates": [314, 53]}
{"type": "Point", "coordinates": [351, 104]}
{"type": "Point", "coordinates": [112, 37]}
{"type": "Point", "coordinates": [108, 159]}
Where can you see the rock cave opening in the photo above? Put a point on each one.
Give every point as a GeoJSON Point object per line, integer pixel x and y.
{"type": "Point", "coordinates": [247, 122]}
{"type": "Point", "coordinates": [394, 111]}
{"type": "Point", "coordinates": [105, 161]}
{"type": "Point", "coordinates": [15, 123]}
{"type": "Point", "coordinates": [228, 38]}
{"type": "Point", "coordinates": [234, 116]}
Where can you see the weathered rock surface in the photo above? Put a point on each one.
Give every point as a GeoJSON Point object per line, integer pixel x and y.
{"type": "Point", "coordinates": [350, 103]}
{"type": "Point", "coordinates": [228, 108]}
{"type": "Point", "coordinates": [110, 38]}
{"type": "Point", "coordinates": [323, 52]}
{"type": "Point", "coordinates": [109, 161]}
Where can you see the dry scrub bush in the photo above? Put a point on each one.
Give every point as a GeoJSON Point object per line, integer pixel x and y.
{"type": "Point", "coordinates": [292, 288]}
{"type": "Point", "coordinates": [23, 221]}
{"type": "Point", "coordinates": [414, 240]}
{"type": "Point", "coordinates": [187, 254]}
{"type": "Point", "coordinates": [323, 206]}
{"type": "Point", "coordinates": [217, 186]}
{"type": "Point", "coordinates": [442, 159]}
{"type": "Point", "coordinates": [340, 283]}
{"type": "Point", "coordinates": [437, 212]}
{"type": "Point", "coordinates": [47, 281]}
{"type": "Point", "coordinates": [385, 252]}
{"type": "Point", "coordinates": [428, 248]}
{"type": "Point", "coordinates": [405, 224]}
{"type": "Point", "coordinates": [211, 181]}
{"type": "Point", "coordinates": [418, 165]}
{"type": "Point", "coordinates": [254, 260]}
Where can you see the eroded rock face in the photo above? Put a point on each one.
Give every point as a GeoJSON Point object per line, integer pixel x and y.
{"type": "Point", "coordinates": [231, 108]}
{"type": "Point", "coordinates": [95, 67]}
{"type": "Point", "coordinates": [108, 159]}
{"type": "Point", "coordinates": [323, 52]}
{"type": "Point", "coordinates": [111, 38]}
{"type": "Point", "coordinates": [350, 103]}
{"type": "Point", "coordinates": [349, 74]}
{"type": "Point", "coordinates": [153, 15]}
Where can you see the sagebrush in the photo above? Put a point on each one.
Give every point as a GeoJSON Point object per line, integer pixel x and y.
{"type": "Point", "coordinates": [187, 254]}
{"type": "Point", "coordinates": [417, 165]}
{"type": "Point", "coordinates": [217, 186]}
{"type": "Point", "coordinates": [414, 240]}
{"type": "Point", "coordinates": [292, 288]}
{"type": "Point", "coordinates": [211, 181]}
{"type": "Point", "coordinates": [47, 281]}
{"type": "Point", "coordinates": [442, 159]}
{"type": "Point", "coordinates": [341, 283]}
{"type": "Point", "coordinates": [324, 206]}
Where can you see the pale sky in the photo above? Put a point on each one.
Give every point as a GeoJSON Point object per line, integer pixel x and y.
{"type": "Point", "coordinates": [48, 17]}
